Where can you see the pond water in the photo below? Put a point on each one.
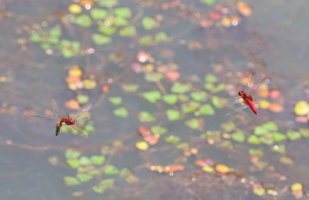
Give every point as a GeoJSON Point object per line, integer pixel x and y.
{"type": "Point", "coordinates": [157, 76]}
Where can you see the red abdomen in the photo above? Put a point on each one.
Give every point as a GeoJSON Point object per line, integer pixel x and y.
{"type": "Point", "coordinates": [67, 121]}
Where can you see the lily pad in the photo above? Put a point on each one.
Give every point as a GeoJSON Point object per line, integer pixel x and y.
{"type": "Point", "coordinates": [110, 170]}
{"type": "Point", "coordinates": [194, 123]}
{"type": "Point", "coordinates": [83, 20]}
{"type": "Point", "coordinates": [101, 39]}
{"type": "Point", "coordinates": [293, 135]}
{"type": "Point", "coordinates": [238, 136]}
{"type": "Point", "coordinates": [145, 116]}
{"type": "Point", "coordinates": [173, 115]}
{"type": "Point", "coordinates": [153, 77]}
{"type": "Point", "coordinates": [149, 23]}
{"type": "Point", "coordinates": [124, 12]}
{"type": "Point", "coordinates": [158, 130]}
{"type": "Point", "coordinates": [121, 112]}
{"type": "Point", "coordinates": [70, 181]}
{"type": "Point", "coordinates": [180, 88]}
{"type": "Point", "coordinates": [98, 13]}
{"type": "Point", "coordinates": [152, 96]}
{"type": "Point", "coordinates": [170, 98]}
{"type": "Point", "coordinates": [206, 110]}
{"type": "Point", "coordinates": [128, 31]}
{"type": "Point", "coordinates": [104, 184]}
{"type": "Point", "coordinates": [198, 96]}
{"type": "Point", "coordinates": [116, 100]}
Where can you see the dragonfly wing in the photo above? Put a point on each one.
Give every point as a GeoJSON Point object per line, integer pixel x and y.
{"type": "Point", "coordinates": [58, 126]}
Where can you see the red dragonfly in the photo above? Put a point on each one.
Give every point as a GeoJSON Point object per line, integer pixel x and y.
{"type": "Point", "coordinates": [246, 98]}
{"type": "Point", "coordinates": [65, 120]}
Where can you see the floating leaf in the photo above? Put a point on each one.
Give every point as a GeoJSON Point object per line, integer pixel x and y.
{"type": "Point", "coordinates": [83, 20]}
{"type": "Point", "coordinates": [145, 116]}
{"type": "Point", "coordinates": [222, 169]}
{"type": "Point", "coordinates": [158, 130]}
{"type": "Point", "coordinates": [146, 40]}
{"type": "Point", "coordinates": [82, 99]}
{"type": "Point", "coordinates": [149, 23]}
{"type": "Point", "coordinates": [84, 160]}
{"type": "Point", "coordinates": [172, 139]}
{"type": "Point", "coordinates": [73, 163]}
{"type": "Point", "coordinates": [216, 102]}
{"type": "Point", "coordinates": [161, 37]}
{"type": "Point", "coordinates": [293, 135]}
{"type": "Point", "coordinates": [88, 128]}
{"type": "Point", "coordinates": [189, 107]}
{"type": "Point", "coordinates": [142, 145]}
{"type": "Point", "coordinates": [209, 2]}
{"type": "Point", "coordinates": [258, 190]}
{"type": "Point", "coordinates": [238, 136]}
{"type": "Point", "coordinates": [270, 126]}
{"type": "Point", "coordinates": [194, 123]}
{"type": "Point", "coordinates": [97, 159]}
{"type": "Point", "coordinates": [121, 112]}
{"type": "Point", "coordinates": [153, 77]}
{"type": "Point", "coordinates": [128, 176]}
{"type": "Point", "coordinates": [101, 39]}
{"type": "Point", "coordinates": [180, 88]}
{"type": "Point", "coordinates": [260, 130]}
{"type": "Point", "coordinates": [55, 31]}
{"type": "Point", "coordinates": [152, 96]}
{"type": "Point", "coordinates": [170, 99]}
{"type": "Point", "coordinates": [173, 115]}
{"type": "Point", "coordinates": [110, 170]}
{"type": "Point", "coordinates": [130, 87]}
{"type": "Point", "coordinates": [75, 8]}
{"type": "Point", "coordinates": [210, 78]}
{"type": "Point", "coordinates": [98, 13]}
{"type": "Point", "coordinates": [252, 139]}
{"type": "Point", "coordinates": [228, 126]}
{"type": "Point", "coordinates": [109, 3]}
{"type": "Point", "coordinates": [304, 132]}
{"type": "Point", "coordinates": [278, 137]}
{"type": "Point", "coordinates": [107, 30]}
{"type": "Point", "coordinates": [198, 96]}
{"type": "Point", "coordinates": [84, 177]}
{"type": "Point", "coordinates": [128, 31]}
{"type": "Point", "coordinates": [124, 12]}
{"type": "Point", "coordinates": [206, 110]}
{"type": "Point", "coordinates": [69, 48]}
{"type": "Point", "coordinates": [69, 181]}
{"type": "Point", "coordinates": [72, 154]}
{"type": "Point", "coordinates": [116, 100]}
{"type": "Point", "coordinates": [279, 149]}
{"type": "Point", "coordinates": [106, 183]}
{"type": "Point", "coordinates": [301, 108]}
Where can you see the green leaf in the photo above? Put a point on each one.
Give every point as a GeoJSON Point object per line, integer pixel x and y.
{"type": "Point", "coordinates": [210, 78]}
{"type": "Point", "coordinates": [228, 126]}
{"type": "Point", "coordinates": [107, 30]}
{"type": "Point", "coordinates": [149, 23]}
{"type": "Point", "coordinates": [130, 87]}
{"type": "Point", "coordinates": [110, 170]}
{"type": "Point", "coordinates": [260, 130]}
{"type": "Point", "coordinates": [267, 139]}
{"type": "Point", "coordinates": [153, 77]}
{"type": "Point", "coordinates": [146, 40]}
{"type": "Point", "coordinates": [128, 31]}
{"type": "Point", "coordinates": [170, 99]}
{"type": "Point", "coordinates": [106, 183]}
{"type": "Point", "coordinates": [101, 39]}
{"type": "Point", "coordinates": [72, 154]}
{"type": "Point", "coordinates": [209, 2]}
{"type": "Point", "coordinates": [83, 20]}
{"type": "Point", "coordinates": [278, 137]}
{"type": "Point", "coordinates": [239, 136]}
{"type": "Point", "coordinates": [97, 159]}
{"type": "Point", "coordinates": [161, 37]}
{"type": "Point", "coordinates": [73, 163]}
{"type": "Point", "coordinates": [216, 102]}
{"type": "Point", "coordinates": [189, 107]}
{"type": "Point", "coordinates": [206, 110]}
{"type": "Point", "coordinates": [218, 88]}
{"type": "Point", "coordinates": [293, 135]}
{"type": "Point", "coordinates": [180, 88]}
{"type": "Point", "coordinates": [128, 176]}
{"type": "Point", "coordinates": [121, 112]}
{"type": "Point", "coordinates": [253, 140]}
{"type": "Point", "coordinates": [124, 12]}
{"type": "Point", "coordinates": [69, 181]}
{"type": "Point", "coordinates": [158, 130]}
{"type": "Point", "coordinates": [84, 160]}
{"type": "Point", "coordinates": [115, 100]}
{"type": "Point", "coordinates": [304, 132]}
{"type": "Point", "coordinates": [109, 3]}
{"type": "Point", "coordinates": [144, 116]}
{"type": "Point", "coordinates": [84, 177]}
{"type": "Point", "coordinates": [152, 96]}
{"type": "Point", "coordinates": [82, 99]}
{"type": "Point", "coordinates": [194, 123]}
{"type": "Point", "coordinates": [172, 139]}
{"type": "Point", "coordinates": [98, 13]}
{"type": "Point", "coordinates": [173, 115]}
{"type": "Point", "coordinates": [198, 96]}
{"type": "Point", "coordinates": [279, 149]}
{"type": "Point", "coordinates": [55, 32]}
{"type": "Point", "coordinates": [119, 21]}
{"type": "Point", "coordinates": [88, 128]}
{"type": "Point", "coordinates": [270, 126]}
